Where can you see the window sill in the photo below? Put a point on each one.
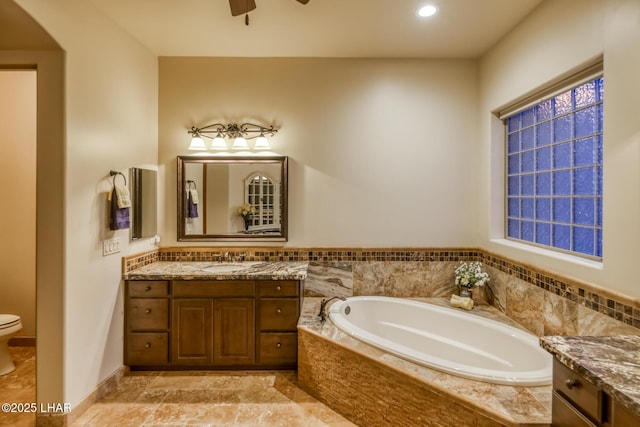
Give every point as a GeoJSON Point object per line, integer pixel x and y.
{"type": "Point", "coordinates": [572, 259]}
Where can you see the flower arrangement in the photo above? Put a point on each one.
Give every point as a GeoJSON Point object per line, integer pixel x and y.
{"type": "Point", "coordinates": [246, 211]}
{"type": "Point", "coordinates": [470, 275]}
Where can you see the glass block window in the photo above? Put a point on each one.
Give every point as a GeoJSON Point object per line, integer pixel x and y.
{"type": "Point", "coordinates": [554, 171]}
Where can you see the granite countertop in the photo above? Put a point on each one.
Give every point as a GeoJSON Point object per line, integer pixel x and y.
{"type": "Point", "coordinates": [213, 270]}
{"type": "Point", "coordinates": [611, 363]}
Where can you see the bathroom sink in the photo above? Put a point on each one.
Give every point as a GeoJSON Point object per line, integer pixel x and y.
{"type": "Point", "coordinates": [227, 267]}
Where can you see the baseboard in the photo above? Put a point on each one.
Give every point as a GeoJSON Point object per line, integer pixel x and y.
{"type": "Point", "coordinates": [106, 386]}
{"type": "Point", "coordinates": [22, 341]}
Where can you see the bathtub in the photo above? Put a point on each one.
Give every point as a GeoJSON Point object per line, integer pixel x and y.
{"type": "Point", "coordinates": [445, 339]}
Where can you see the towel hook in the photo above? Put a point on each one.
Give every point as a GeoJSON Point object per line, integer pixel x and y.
{"type": "Point", "coordinates": [115, 174]}
{"type": "Point", "coordinates": [189, 182]}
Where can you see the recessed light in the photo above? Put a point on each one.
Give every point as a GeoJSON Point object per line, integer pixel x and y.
{"type": "Point", "coordinates": [428, 10]}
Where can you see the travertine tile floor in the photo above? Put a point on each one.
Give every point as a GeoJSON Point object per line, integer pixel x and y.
{"type": "Point", "coordinates": [145, 399]}
{"type": "Point", "coordinates": [209, 399]}
{"type": "Point", "coordinates": [19, 386]}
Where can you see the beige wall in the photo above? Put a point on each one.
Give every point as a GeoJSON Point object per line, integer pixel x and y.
{"type": "Point", "coordinates": [557, 37]}
{"type": "Point", "coordinates": [111, 123]}
{"type": "Point", "coordinates": [381, 151]}
{"type": "Point", "coordinates": [18, 180]}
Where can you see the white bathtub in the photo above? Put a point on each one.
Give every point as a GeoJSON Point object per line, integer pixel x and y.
{"type": "Point", "coordinates": [445, 339]}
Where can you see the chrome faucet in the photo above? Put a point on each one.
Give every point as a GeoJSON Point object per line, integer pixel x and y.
{"type": "Point", "coordinates": [323, 305]}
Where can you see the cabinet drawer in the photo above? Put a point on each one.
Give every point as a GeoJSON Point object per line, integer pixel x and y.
{"type": "Point", "coordinates": [213, 288]}
{"type": "Point", "coordinates": [147, 348]}
{"type": "Point", "coordinates": [278, 348]}
{"type": "Point", "coordinates": [148, 313]}
{"type": "Point", "coordinates": [563, 414]}
{"type": "Point", "coordinates": [278, 288]}
{"type": "Point", "coordinates": [577, 390]}
{"type": "Point", "coordinates": [278, 313]}
{"type": "Point", "coordinates": [148, 288]}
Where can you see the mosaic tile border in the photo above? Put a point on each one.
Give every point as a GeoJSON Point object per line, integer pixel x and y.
{"type": "Point", "coordinates": [133, 262]}
{"type": "Point", "coordinates": [619, 308]}
{"type": "Point", "coordinates": [320, 254]}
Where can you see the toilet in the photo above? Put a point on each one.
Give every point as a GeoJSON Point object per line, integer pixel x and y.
{"type": "Point", "coordinates": [10, 324]}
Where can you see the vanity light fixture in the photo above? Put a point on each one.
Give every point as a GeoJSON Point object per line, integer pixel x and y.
{"type": "Point", "coordinates": [240, 133]}
{"type": "Point", "coordinates": [428, 10]}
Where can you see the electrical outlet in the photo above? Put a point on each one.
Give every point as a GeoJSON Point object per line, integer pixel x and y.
{"type": "Point", "coordinates": [110, 246]}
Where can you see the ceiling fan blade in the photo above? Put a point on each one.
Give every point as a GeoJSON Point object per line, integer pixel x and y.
{"type": "Point", "coordinates": [240, 7]}
{"type": "Point", "coordinates": [303, 1]}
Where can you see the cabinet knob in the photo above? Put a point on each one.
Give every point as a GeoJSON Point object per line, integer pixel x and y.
{"type": "Point", "coordinates": [147, 289]}
{"type": "Point", "coordinates": [147, 345]}
{"type": "Point", "coordinates": [279, 311]}
{"type": "Point", "coordinates": [278, 288]}
{"type": "Point", "coordinates": [278, 345]}
{"type": "Point", "coordinates": [147, 311]}
{"type": "Point", "coordinates": [570, 383]}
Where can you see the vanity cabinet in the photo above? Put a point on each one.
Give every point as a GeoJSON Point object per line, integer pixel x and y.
{"type": "Point", "coordinates": [147, 323]}
{"type": "Point", "coordinates": [578, 403]}
{"type": "Point", "coordinates": [212, 323]}
{"type": "Point", "coordinates": [278, 318]}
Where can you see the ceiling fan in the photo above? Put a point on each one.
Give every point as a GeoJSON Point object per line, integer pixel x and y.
{"type": "Point", "coordinates": [240, 7]}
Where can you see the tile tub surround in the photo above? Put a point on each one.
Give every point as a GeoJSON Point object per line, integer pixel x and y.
{"type": "Point", "coordinates": [544, 302]}
{"type": "Point", "coordinates": [610, 363]}
{"type": "Point", "coordinates": [371, 387]}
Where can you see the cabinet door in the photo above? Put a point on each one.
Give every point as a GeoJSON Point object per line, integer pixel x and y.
{"type": "Point", "coordinates": [234, 331]}
{"type": "Point", "coordinates": [622, 417]}
{"type": "Point", "coordinates": [191, 332]}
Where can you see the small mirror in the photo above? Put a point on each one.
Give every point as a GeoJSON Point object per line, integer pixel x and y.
{"type": "Point", "coordinates": [144, 187]}
{"type": "Point", "coordinates": [232, 198]}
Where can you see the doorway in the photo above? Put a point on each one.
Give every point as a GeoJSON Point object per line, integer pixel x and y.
{"type": "Point", "coordinates": [18, 123]}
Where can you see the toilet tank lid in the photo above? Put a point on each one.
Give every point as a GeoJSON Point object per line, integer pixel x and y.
{"type": "Point", "coordinates": [7, 319]}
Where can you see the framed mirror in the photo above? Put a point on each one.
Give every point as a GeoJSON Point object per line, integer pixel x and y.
{"type": "Point", "coordinates": [225, 198]}
{"type": "Point", "coordinates": [144, 205]}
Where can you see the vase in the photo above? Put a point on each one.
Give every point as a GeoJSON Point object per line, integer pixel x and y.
{"type": "Point", "coordinates": [465, 292]}
{"type": "Point", "coordinates": [247, 222]}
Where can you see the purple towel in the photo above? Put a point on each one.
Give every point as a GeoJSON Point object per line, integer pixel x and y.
{"type": "Point", "coordinates": [119, 217]}
{"type": "Point", "coordinates": [192, 208]}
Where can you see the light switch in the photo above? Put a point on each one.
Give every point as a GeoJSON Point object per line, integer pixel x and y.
{"type": "Point", "coordinates": [110, 246]}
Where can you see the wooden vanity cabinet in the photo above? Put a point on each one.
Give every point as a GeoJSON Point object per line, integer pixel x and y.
{"type": "Point", "coordinates": [212, 323]}
{"type": "Point", "coordinates": [575, 399]}
{"type": "Point", "coordinates": [147, 323]}
{"type": "Point", "coordinates": [578, 403]}
{"type": "Point", "coordinates": [279, 309]}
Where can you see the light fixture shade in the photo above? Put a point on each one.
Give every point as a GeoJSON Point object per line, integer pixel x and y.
{"type": "Point", "coordinates": [428, 10]}
{"type": "Point", "coordinates": [218, 143]}
{"type": "Point", "coordinates": [262, 143]}
{"type": "Point", "coordinates": [197, 143]}
{"type": "Point", "coordinates": [240, 144]}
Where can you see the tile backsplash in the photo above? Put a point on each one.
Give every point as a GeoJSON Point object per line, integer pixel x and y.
{"type": "Point", "coordinates": [543, 302]}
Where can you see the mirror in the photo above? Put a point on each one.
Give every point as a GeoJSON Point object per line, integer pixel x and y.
{"type": "Point", "coordinates": [144, 187]}
{"type": "Point", "coordinates": [215, 192]}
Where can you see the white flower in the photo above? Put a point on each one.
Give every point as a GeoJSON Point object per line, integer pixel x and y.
{"type": "Point", "coordinates": [246, 210]}
{"type": "Point", "coordinates": [470, 275]}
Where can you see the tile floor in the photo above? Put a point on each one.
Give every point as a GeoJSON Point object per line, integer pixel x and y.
{"type": "Point", "coordinates": [203, 398]}
{"type": "Point", "coordinates": [19, 387]}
